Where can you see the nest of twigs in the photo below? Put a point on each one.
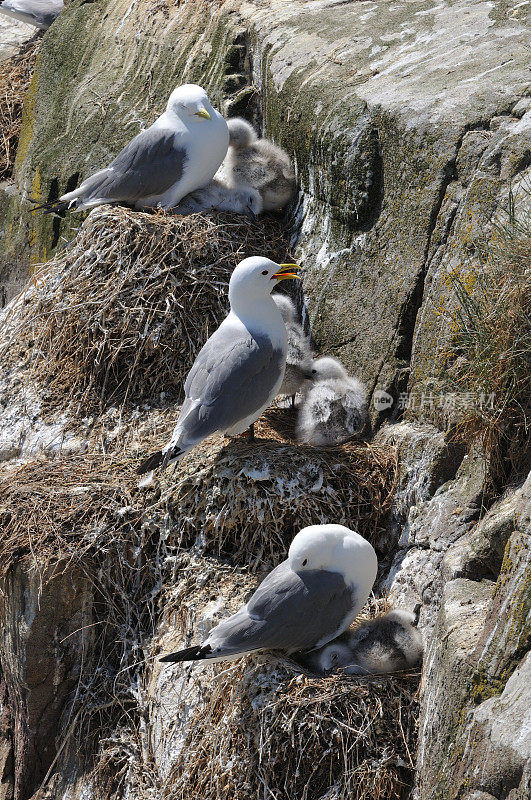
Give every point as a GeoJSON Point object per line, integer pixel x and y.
{"type": "Point", "coordinates": [15, 77]}
{"type": "Point", "coordinates": [122, 311]}
{"type": "Point", "coordinates": [260, 731]}
{"type": "Point", "coordinates": [67, 507]}
{"type": "Point", "coordinates": [249, 499]}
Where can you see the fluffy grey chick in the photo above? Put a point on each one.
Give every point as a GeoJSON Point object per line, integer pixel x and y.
{"type": "Point", "coordinates": [299, 358]}
{"type": "Point", "coordinates": [388, 643]}
{"type": "Point", "coordinates": [334, 408]}
{"type": "Point", "coordinates": [217, 195]}
{"type": "Point", "coordinates": [258, 163]}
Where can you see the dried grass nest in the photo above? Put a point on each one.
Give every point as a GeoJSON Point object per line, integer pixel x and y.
{"type": "Point", "coordinates": [66, 508]}
{"type": "Point", "coordinates": [263, 732]}
{"type": "Point", "coordinates": [243, 500]}
{"type": "Point", "coordinates": [15, 78]}
{"type": "Point", "coordinates": [122, 311]}
{"type": "Point", "coordinates": [257, 726]}
{"type": "Point", "coordinates": [249, 499]}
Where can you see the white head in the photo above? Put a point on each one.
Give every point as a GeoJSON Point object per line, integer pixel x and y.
{"type": "Point", "coordinates": [286, 308]}
{"type": "Point", "coordinates": [190, 101]}
{"type": "Point", "coordinates": [254, 278]}
{"type": "Point", "coordinates": [326, 368]}
{"type": "Point", "coordinates": [335, 548]}
{"type": "Point", "coordinates": [241, 133]}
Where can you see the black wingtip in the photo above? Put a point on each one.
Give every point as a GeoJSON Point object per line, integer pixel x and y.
{"type": "Point", "coordinates": [53, 207]}
{"type": "Point", "coordinates": [160, 458]}
{"type": "Point", "coordinates": [154, 461]}
{"type": "Point", "coordinates": [195, 653]}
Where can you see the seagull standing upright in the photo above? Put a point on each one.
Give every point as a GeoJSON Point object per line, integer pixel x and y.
{"type": "Point", "coordinates": [240, 369]}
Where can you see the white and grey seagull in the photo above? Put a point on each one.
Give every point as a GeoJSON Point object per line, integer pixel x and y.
{"type": "Point", "coordinates": [39, 13]}
{"type": "Point", "coordinates": [179, 153]}
{"type": "Point", "coordinates": [303, 603]}
{"type": "Point", "coordinates": [239, 370]}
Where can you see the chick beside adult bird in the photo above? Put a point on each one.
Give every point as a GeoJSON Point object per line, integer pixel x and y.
{"type": "Point", "coordinates": [260, 164]}
{"type": "Point", "coordinates": [306, 601]}
{"type": "Point", "coordinates": [388, 643]}
{"type": "Point", "coordinates": [218, 196]}
{"type": "Point", "coordinates": [334, 408]}
{"type": "Point", "coordinates": [240, 368]}
{"type": "Point", "coordinates": [299, 358]}
{"type": "Point", "coordinates": [176, 155]}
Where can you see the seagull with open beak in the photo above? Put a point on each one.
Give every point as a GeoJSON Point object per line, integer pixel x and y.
{"type": "Point", "coordinates": [239, 370]}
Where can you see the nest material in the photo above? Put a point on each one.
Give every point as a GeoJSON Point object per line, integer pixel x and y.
{"type": "Point", "coordinates": [260, 731]}
{"type": "Point", "coordinates": [312, 733]}
{"type": "Point", "coordinates": [262, 726]}
{"type": "Point", "coordinates": [15, 77]}
{"type": "Point", "coordinates": [121, 313]}
{"type": "Point", "coordinates": [249, 499]}
{"type": "Point", "coordinates": [69, 507]}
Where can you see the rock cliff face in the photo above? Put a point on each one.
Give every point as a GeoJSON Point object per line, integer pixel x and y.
{"type": "Point", "coordinates": [408, 123]}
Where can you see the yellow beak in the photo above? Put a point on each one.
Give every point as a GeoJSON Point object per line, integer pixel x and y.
{"type": "Point", "coordinates": [283, 275]}
{"type": "Point", "coordinates": [203, 114]}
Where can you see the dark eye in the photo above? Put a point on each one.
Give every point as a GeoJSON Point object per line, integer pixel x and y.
{"type": "Point", "coordinates": [265, 271]}
{"type": "Point", "coordinates": [314, 372]}
{"type": "Point", "coordinates": [304, 562]}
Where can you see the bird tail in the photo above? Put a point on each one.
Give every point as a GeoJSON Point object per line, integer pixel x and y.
{"type": "Point", "coordinates": [51, 207]}
{"type": "Point", "coordinates": [195, 653]}
{"type": "Point", "coordinates": [160, 458]}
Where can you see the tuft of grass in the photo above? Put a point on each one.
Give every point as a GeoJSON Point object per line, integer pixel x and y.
{"type": "Point", "coordinates": [491, 343]}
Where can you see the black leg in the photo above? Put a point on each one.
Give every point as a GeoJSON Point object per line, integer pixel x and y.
{"type": "Point", "coordinates": [293, 401]}
{"type": "Point", "coordinates": [251, 432]}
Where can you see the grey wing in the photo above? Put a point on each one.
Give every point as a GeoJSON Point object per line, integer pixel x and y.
{"type": "Point", "coordinates": [42, 11]}
{"type": "Point", "coordinates": [231, 379]}
{"type": "Point", "coordinates": [287, 612]}
{"type": "Point", "coordinates": [148, 165]}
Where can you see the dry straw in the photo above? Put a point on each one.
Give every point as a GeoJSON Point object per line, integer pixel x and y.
{"type": "Point", "coordinates": [15, 77]}
{"type": "Point", "coordinates": [261, 732]}
{"type": "Point", "coordinates": [297, 736]}
{"type": "Point", "coordinates": [249, 499]}
{"type": "Point", "coordinates": [123, 310]}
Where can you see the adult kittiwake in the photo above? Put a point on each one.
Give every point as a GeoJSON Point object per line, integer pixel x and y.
{"type": "Point", "coordinates": [240, 369]}
{"type": "Point", "coordinates": [388, 643]}
{"type": "Point", "coordinates": [303, 603]}
{"type": "Point", "coordinates": [179, 153]}
{"type": "Point", "coordinates": [39, 13]}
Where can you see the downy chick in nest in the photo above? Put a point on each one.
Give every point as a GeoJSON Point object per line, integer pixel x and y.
{"type": "Point", "coordinates": [388, 643]}
{"type": "Point", "coordinates": [219, 196]}
{"type": "Point", "coordinates": [334, 408]}
{"type": "Point", "coordinates": [299, 358]}
{"type": "Point", "coordinates": [258, 163]}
